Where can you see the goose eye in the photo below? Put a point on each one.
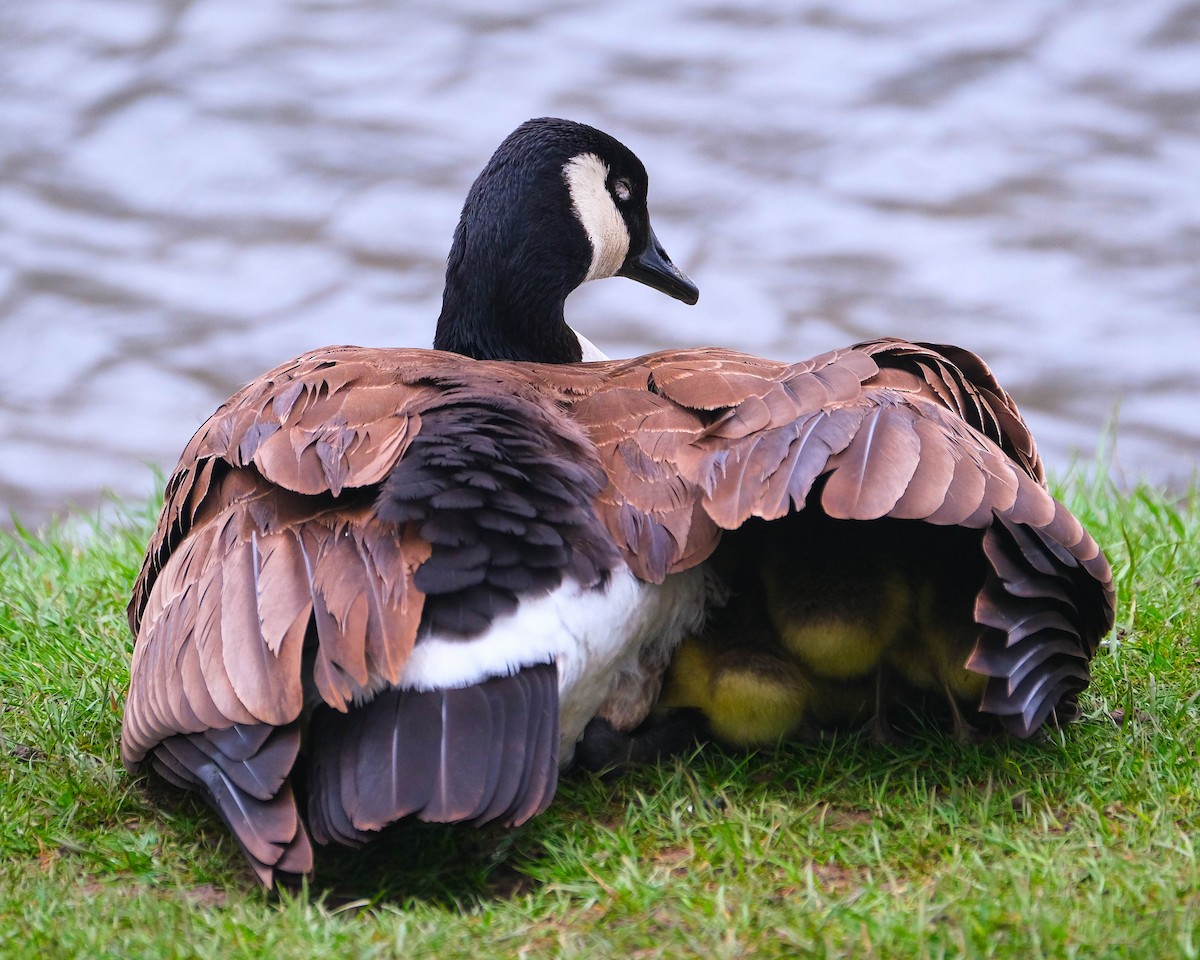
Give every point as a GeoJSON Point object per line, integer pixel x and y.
{"type": "Point", "coordinates": [622, 189]}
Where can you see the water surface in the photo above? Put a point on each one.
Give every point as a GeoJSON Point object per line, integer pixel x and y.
{"type": "Point", "coordinates": [191, 192]}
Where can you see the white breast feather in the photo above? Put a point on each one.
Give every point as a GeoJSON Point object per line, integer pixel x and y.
{"type": "Point", "coordinates": [591, 352]}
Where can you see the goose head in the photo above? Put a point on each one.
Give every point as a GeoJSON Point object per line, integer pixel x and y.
{"type": "Point", "coordinates": [558, 204]}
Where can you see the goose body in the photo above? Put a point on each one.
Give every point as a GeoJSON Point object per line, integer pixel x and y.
{"type": "Point", "coordinates": [435, 568]}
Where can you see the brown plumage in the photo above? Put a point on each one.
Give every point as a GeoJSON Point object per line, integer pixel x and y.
{"type": "Point", "coordinates": [394, 559]}
{"type": "Point", "coordinates": [410, 579]}
{"type": "Point", "coordinates": [286, 566]}
{"type": "Point", "coordinates": [314, 523]}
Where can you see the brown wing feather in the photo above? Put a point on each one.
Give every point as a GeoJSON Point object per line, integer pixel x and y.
{"type": "Point", "coordinates": [243, 773]}
{"type": "Point", "coordinates": [288, 523]}
{"type": "Point", "coordinates": [737, 435]}
{"type": "Point", "coordinates": [963, 383]}
{"type": "Point", "coordinates": [930, 486]}
{"type": "Point", "coordinates": [896, 429]}
{"type": "Point", "coordinates": [867, 479]}
{"type": "Point", "coordinates": [330, 420]}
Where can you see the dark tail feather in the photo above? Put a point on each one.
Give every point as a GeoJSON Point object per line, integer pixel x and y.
{"type": "Point", "coordinates": [462, 768]}
{"type": "Point", "coordinates": [242, 773]}
{"type": "Point", "coordinates": [540, 777]}
{"type": "Point", "coordinates": [476, 754]}
{"type": "Point", "coordinates": [501, 711]}
{"type": "Point", "coordinates": [327, 816]}
{"type": "Point", "coordinates": [511, 732]}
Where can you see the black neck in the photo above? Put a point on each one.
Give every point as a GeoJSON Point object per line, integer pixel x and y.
{"type": "Point", "coordinates": [485, 318]}
{"type": "Point", "coordinates": [517, 253]}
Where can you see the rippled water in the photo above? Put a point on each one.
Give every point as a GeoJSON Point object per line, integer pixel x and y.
{"type": "Point", "coordinates": [191, 192]}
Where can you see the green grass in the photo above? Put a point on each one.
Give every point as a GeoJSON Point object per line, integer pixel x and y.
{"type": "Point", "coordinates": [1078, 845]}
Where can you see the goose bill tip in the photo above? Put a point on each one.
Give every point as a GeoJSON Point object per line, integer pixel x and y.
{"type": "Point", "coordinates": [654, 268]}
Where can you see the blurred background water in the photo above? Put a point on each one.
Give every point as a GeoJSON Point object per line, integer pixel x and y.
{"type": "Point", "coordinates": [194, 190]}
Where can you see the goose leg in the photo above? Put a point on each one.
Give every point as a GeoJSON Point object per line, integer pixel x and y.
{"type": "Point", "coordinates": [879, 730]}
{"type": "Point", "coordinates": [964, 733]}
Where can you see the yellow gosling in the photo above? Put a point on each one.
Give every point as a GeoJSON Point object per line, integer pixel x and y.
{"type": "Point", "coordinates": [751, 697]}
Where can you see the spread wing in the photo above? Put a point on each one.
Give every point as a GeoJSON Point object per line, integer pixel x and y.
{"type": "Point", "coordinates": [696, 442]}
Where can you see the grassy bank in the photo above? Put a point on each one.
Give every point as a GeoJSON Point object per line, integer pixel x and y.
{"type": "Point", "coordinates": [1081, 843]}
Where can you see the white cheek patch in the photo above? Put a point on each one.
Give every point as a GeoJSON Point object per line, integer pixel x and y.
{"type": "Point", "coordinates": [586, 176]}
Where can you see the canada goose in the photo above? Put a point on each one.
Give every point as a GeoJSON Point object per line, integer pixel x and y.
{"type": "Point", "coordinates": [433, 571]}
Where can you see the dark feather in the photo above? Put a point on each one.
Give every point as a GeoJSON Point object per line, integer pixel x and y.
{"type": "Point", "coordinates": [506, 766]}
{"type": "Point", "coordinates": [474, 754]}
{"type": "Point", "coordinates": [539, 774]}
{"type": "Point", "coordinates": [263, 819]}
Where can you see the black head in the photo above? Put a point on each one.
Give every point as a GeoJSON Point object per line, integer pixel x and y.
{"type": "Point", "coordinates": [559, 203]}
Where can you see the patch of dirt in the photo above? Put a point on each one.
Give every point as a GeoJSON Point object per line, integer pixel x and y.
{"type": "Point", "coordinates": [204, 895]}
{"type": "Point", "coordinates": [507, 883]}
{"type": "Point", "coordinates": [1118, 717]}
{"type": "Point", "coordinates": [834, 878]}
{"type": "Point", "coordinates": [23, 751]}
{"type": "Point", "coordinates": [674, 859]}
{"type": "Point", "coordinates": [844, 818]}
